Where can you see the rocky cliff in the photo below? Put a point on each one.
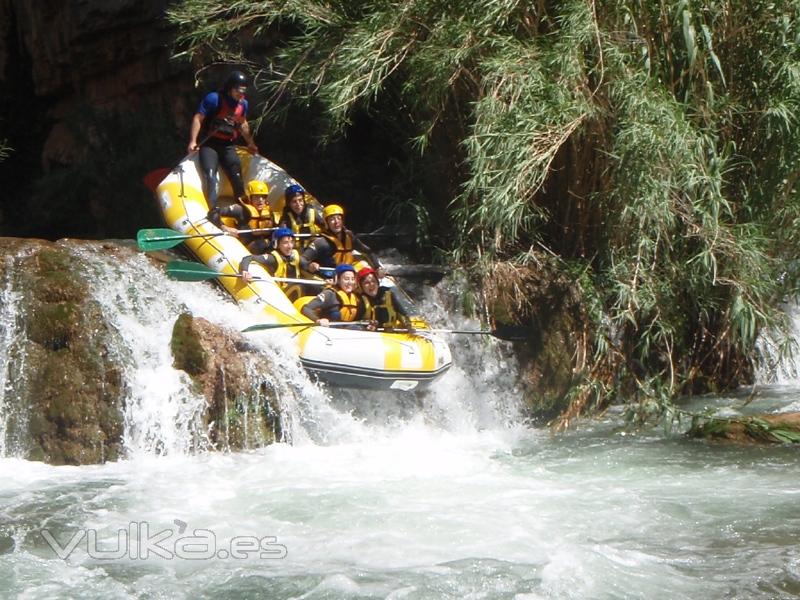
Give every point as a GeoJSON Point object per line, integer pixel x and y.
{"type": "Point", "coordinates": [89, 101]}
{"type": "Point", "coordinates": [62, 56]}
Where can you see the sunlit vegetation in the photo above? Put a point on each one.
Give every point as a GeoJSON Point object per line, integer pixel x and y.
{"type": "Point", "coordinates": [640, 156]}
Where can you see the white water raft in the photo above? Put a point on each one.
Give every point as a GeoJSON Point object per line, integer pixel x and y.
{"type": "Point", "coordinates": [340, 357]}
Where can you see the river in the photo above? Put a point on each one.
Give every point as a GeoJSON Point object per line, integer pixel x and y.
{"type": "Point", "coordinates": [439, 495]}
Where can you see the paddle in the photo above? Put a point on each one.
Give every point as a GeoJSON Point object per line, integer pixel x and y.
{"type": "Point", "coordinates": [264, 326]}
{"type": "Point", "coordinates": [190, 271]}
{"type": "Point", "coordinates": [153, 178]}
{"type": "Point", "coordinates": [503, 332]}
{"type": "Point", "coordinates": [162, 238]}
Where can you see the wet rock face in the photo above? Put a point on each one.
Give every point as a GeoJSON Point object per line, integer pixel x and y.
{"type": "Point", "coordinates": [242, 411]}
{"type": "Point", "coordinates": [63, 392]}
{"type": "Point", "coordinates": [109, 53]}
{"type": "Point", "coordinates": [62, 381]}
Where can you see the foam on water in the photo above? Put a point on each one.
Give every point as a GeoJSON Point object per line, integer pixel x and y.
{"type": "Point", "coordinates": [420, 512]}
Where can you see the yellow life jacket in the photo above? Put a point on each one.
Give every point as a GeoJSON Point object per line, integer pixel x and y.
{"type": "Point", "coordinates": [260, 219]}
{"type": "Point", "coordinates": [308, 224]}
{"type": "Point", "coordinates": [348, 305]}
{"type": "Point", "coordinates": [288, 267]}
{"type": "Point", "coordinates": [344, 250]}
{"type": "Point", "coordinates": [382, 309]}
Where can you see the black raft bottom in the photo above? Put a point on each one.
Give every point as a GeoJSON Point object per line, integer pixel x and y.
{"type": "Point", "coordinates": [366, 379]}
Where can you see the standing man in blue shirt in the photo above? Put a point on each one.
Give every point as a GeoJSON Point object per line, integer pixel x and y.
{"type": "Point", "coordinates": [221, 118]}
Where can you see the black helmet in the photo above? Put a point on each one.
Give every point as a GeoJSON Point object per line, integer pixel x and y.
{"type": "Point", "coordinates": [235, 79]}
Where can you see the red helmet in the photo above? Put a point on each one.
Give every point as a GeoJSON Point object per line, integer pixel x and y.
{"type": "Point", "coordinates": [364, 272]}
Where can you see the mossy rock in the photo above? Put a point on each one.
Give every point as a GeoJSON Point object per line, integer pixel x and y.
{"type": "Point", "coordinates": [56, 277]}
{"type": "Point", "coordinates": [53, 325]}
{"type": "Point", "coordinates": [66, 388]}
{"type": "Point", "coordinates": [187, 347]}
{"type": "Point", "coordinates": [750, 430]}
{"type": "Point", "coordinates": [64, 403]}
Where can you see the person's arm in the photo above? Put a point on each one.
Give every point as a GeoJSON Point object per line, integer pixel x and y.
{"type": "Point", "coordinates": [312, 253]}
{"type": "Point", "coordinates": [248, 137]}
{"type": "Point", "coordinates": [194, 131]}
{"type": "Point", "coordinates": [244, 266]}
{"type": "Point", "coordinates": [235, 211]}
{"type": "Point", "coordinates": [402, 304]}
{"type": "Point", "coordinates": [208, 106]}
{"type": "Point", "coordinates": [319, 305]}
{"type": "Point", "coordinates": [305, 265]}
{"type": "Point", "coordinates": [320, 222]}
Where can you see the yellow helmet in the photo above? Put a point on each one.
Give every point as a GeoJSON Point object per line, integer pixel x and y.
{"type": "Point", "coordinates": [257, 188]}
{"type": "Point", "coordinates": [331, 210]}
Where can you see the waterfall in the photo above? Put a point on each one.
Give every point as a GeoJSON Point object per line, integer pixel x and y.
{"type": "Point", "coordinates": [780, 364]}
{"type": "Point", "coordinates": [9, 343]}
{"type": "Point", "coordinates": [162, 413]}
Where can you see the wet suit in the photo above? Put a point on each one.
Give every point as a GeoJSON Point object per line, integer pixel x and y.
{"type": "Point", "coordinates": [336, 305]}
{"type": "Point", "coordinates": [222, 121]}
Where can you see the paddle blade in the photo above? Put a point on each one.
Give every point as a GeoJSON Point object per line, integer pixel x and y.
{"type": "Point", "coordinates": [153, 178]}
{"type": "Point", "coordinates": [180, 275]}
{"type": "Point", "coordinates": [189, 271]}
{"type": "Point", "coordinates": [512, 332]}
{"type": "Point", "coordinates": [158, 239]}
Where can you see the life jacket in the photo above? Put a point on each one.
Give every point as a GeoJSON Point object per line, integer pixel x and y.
{"type": "Point", "coordinates": [343, 254]}
{"type": "Point", "coordinates": [348, 306]}
{"type": "Point", "coordinates": [260, 219]}
{"type": "Point", "coordinates": [288, 267]}
{"type": "Point", "coordinates": [382, 309]}
{"type": "Point", "coordinates": [226, 122]}
{"type": "Point", "coordinates": [306, 223]}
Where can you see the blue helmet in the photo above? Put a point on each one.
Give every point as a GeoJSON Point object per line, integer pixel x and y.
{"type": "Point", "coordinates": [281, 232]}
{"type": "Point", "coordinates": [292, 190]}
{"type": "Point", "coordinates": [344, 268]}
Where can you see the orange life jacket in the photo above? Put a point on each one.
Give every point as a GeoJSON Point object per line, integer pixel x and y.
{"type": "Point", "coordinates": [343, 254]}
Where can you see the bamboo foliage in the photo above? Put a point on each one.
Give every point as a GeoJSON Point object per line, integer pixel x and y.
{"type": "Point", "coordinates": [688, 109]}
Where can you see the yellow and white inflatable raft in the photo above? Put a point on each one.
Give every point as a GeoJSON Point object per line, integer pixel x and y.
{"type": "Point", "coordinates": [340, 357]}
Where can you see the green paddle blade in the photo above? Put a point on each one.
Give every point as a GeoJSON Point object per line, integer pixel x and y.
{"type": "Point", "coordinates": [159, 239]}
{"type": "Point", "coordinates": [183, 270]}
